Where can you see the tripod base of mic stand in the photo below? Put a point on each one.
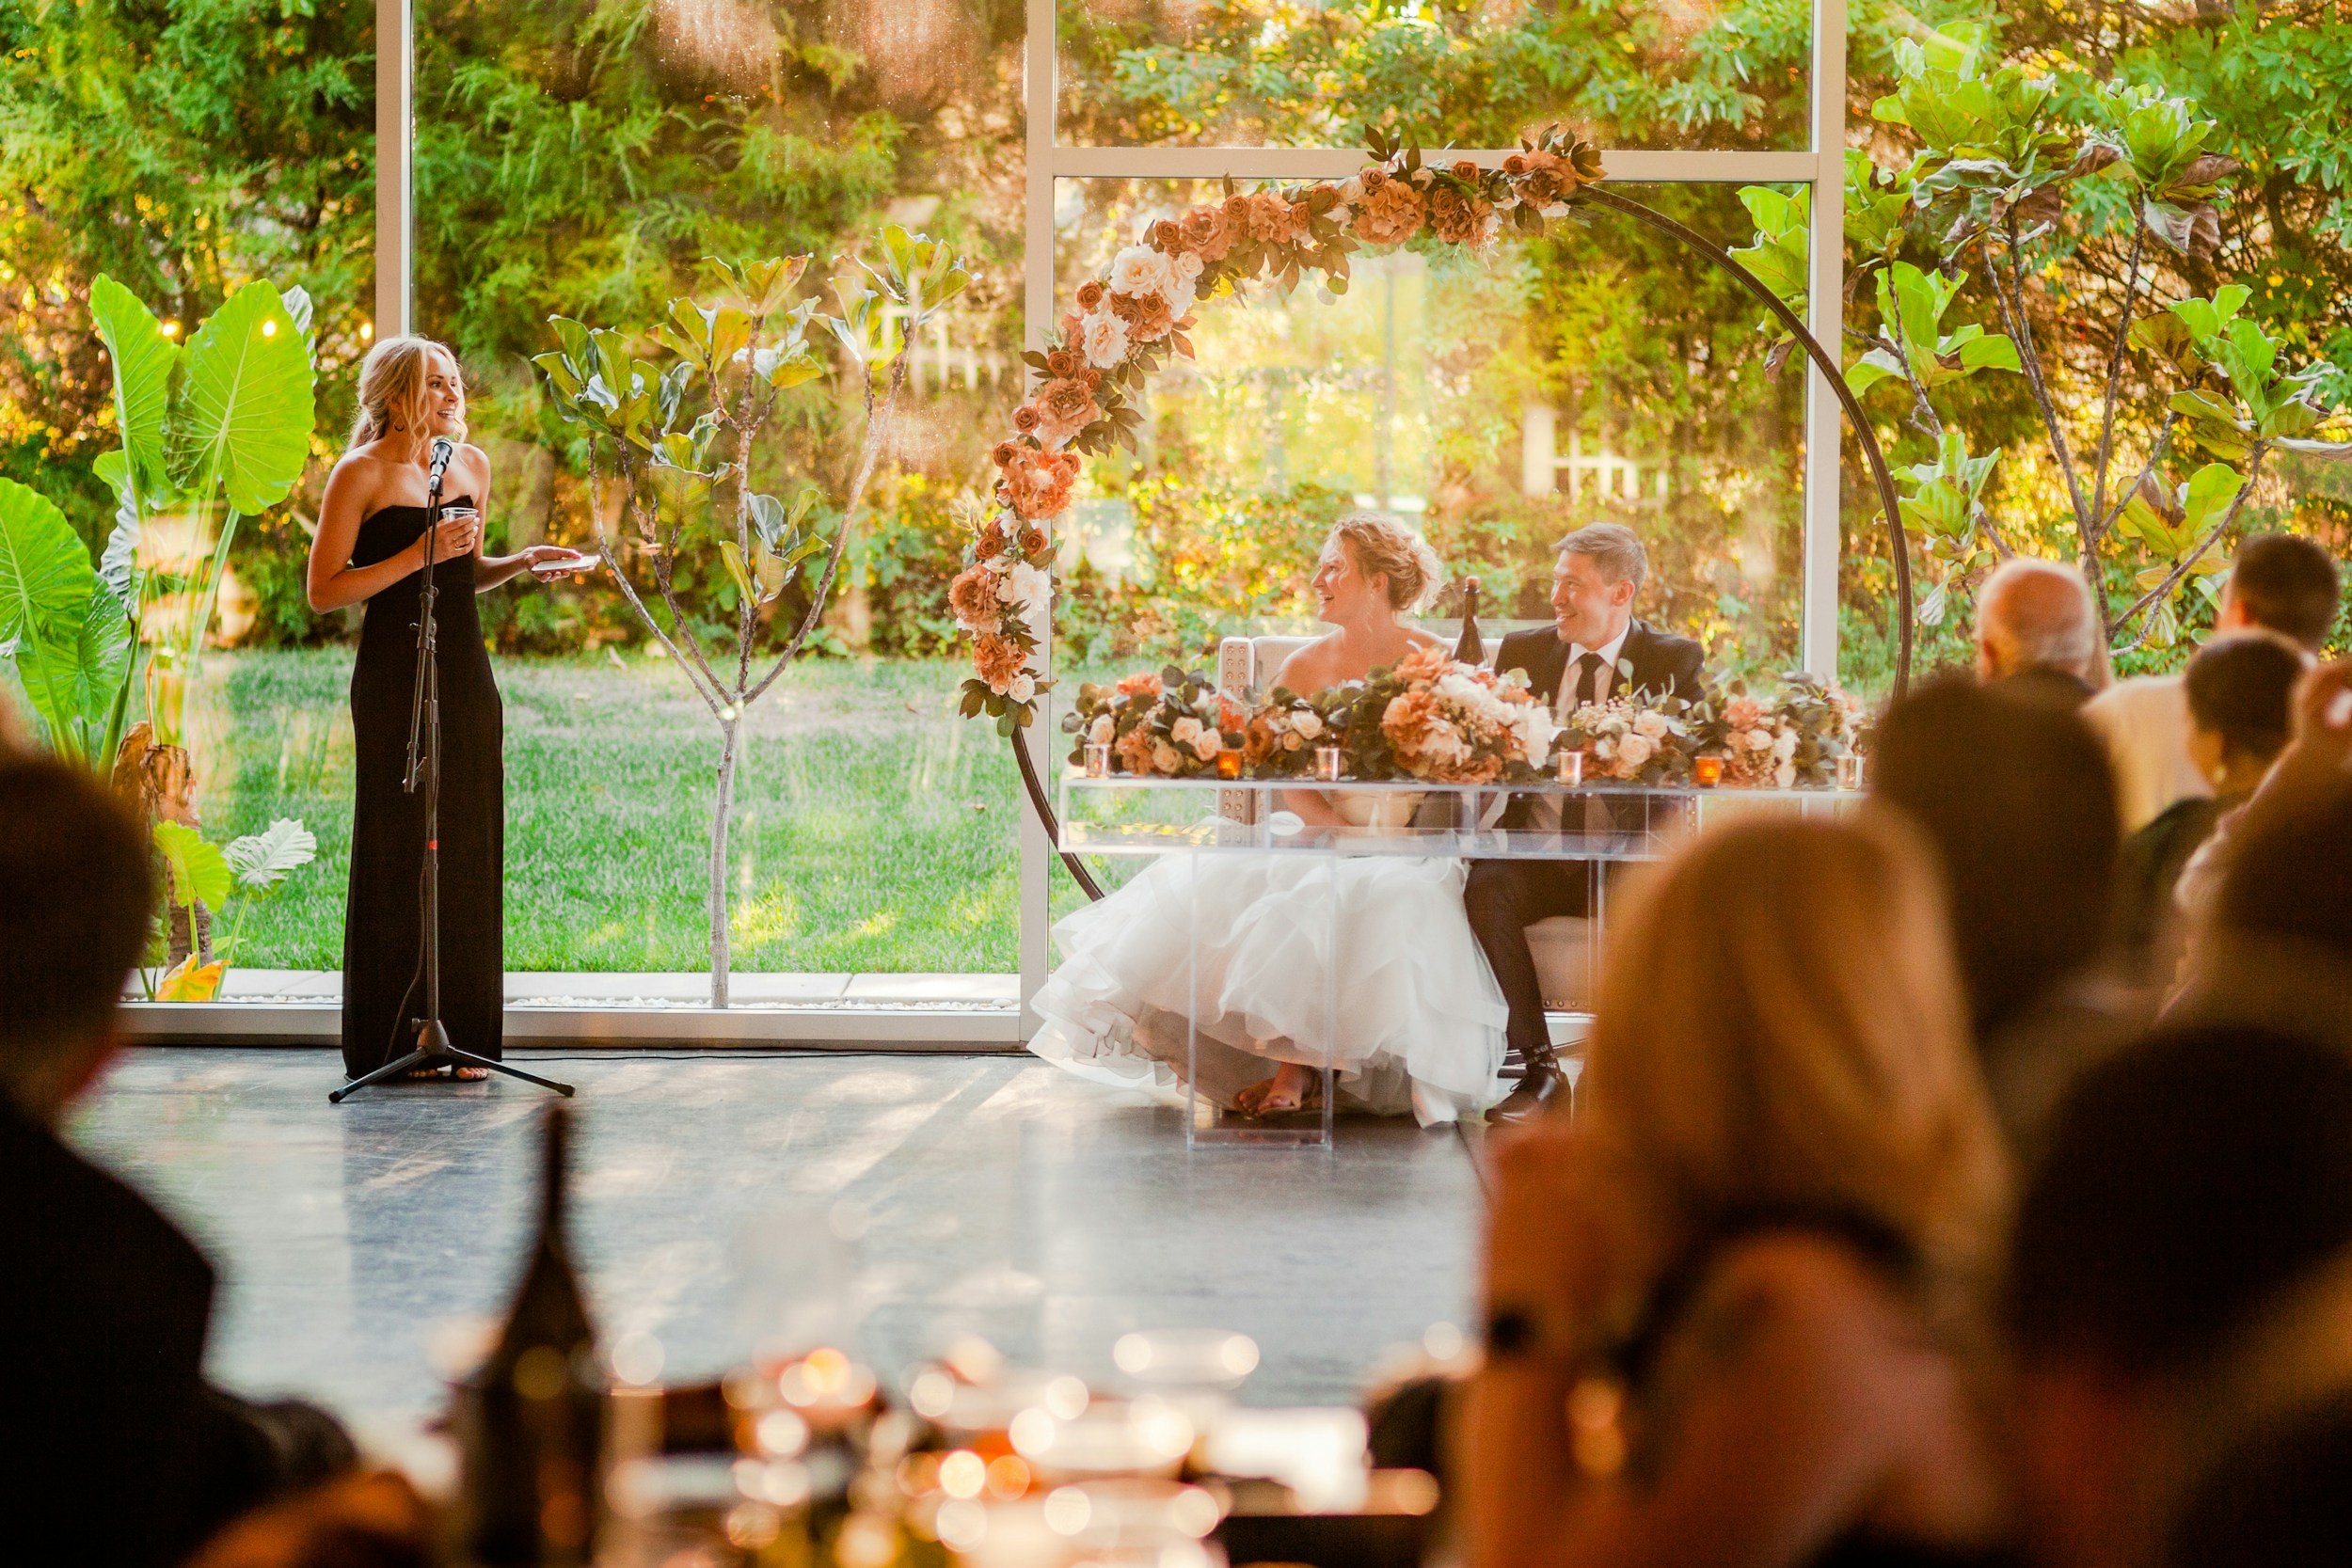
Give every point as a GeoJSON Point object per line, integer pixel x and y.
{"type": "Point", "coordinates": [433, 1051]}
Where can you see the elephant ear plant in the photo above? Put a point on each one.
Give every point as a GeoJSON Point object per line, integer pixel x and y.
{"type": "Point", "coordinates": [672, 439]}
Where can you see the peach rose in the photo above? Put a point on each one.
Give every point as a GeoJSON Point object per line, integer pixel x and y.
{"type": "Point", "coordinates": [1391, 215]}
{"type": "Point", "coordinates": [1143, 682]}
{"type": "Point", "coordinates": [1458, 219]}
{"type": "Point", "coordinates": [971, 598]}
{"type": "Point", "coordinates": [1207, 235]}
{"type": "Point", "coordinates": [998, 661]}
{"type": "Point", "coordinates": [1134, 749]}
{"type": "Point", "coordinates": [1743, 713]}
{"type": "Point", "coordinates": [1036, 490]}
{"type": "Point", "coordinates": [991, 540]}
{"type": "Point", "coordinates": [1062, 363]}
{"type": "Point", "coordinates": [1466, 171]}
{"type": "Point", "coordinates": [1032, 541]}
{"type": "Point", "coordinates": [1274, 220]}
{"type": "Point", "coordinates": [1004, 453]}
{"type": "Point", "coordinates": [1146, 316]}
{"type": "Point", "coordinates": [1064, 407]}
{"type": "Point", "coordinates": [1024, 419]}
{"type": "Point", "coordinates": [1090, 293]}
{"type": "Point", "coordinates": [1167, 234]}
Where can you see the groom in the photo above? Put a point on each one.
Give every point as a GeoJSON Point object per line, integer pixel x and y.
{"type": "Point", "coordinates": [1596, 650]}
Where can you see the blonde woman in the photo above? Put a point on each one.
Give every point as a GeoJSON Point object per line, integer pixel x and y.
{"type": "Point", "coordinates": [370, 549]}
{"type": "Point", "coordinates": [1730, 1302]}
{"type": "Point", "coordinates": [1277, 938]}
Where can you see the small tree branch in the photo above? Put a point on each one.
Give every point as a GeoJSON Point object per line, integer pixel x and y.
{"type": "Point", "coordinates": [876, 436]}
{"type": "Point", "coordinates": [628, 589]}
{"type": "Point", "coordinates": [2173, 579]}
{"type": "Point", "coordinates": [2115, 371]}
{"type": "Point", "coordinates": [2156, 455]}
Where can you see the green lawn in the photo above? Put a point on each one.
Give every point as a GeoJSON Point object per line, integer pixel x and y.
{"type": "Point", "coordinates": [874, 830]}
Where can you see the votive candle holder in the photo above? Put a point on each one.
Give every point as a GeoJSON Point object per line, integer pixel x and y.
{"type": "Point", "coordinates": [1706, 772]}
{"type": "Point", "coordinates": [1229, 763]}
{"type": "Point", "coordinates": [1331, 763]}
{"type": "Point", "coordinates": [1850, 770]}
{"type": "Point", "coordinates": [1572, 767]}
{"type": "Point", "coordinates": [1098, 759]}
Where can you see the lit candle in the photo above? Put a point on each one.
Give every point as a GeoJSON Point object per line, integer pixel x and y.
{"type": "Point", "coordinates": [1706, 772]}
{"type": "Point", "coordinates": [1229, 763]}
{"type": "Point", "coordinates": [1329, 761]}
{"type": "Point", "coordinates": [1571, 768]}
{"type": "Point", "coordinates": [1850, 770]}
{"type": "Point", "coordinates": [1098, 755]}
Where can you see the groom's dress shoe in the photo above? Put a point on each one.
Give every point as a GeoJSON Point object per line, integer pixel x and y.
{"type": "Point", "coordinates": [1543, 1084]}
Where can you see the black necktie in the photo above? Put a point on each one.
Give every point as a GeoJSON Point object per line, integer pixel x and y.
{"type": "Point", "coordinates": [1588, 669]}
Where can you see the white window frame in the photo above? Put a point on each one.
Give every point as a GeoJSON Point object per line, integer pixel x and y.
{"type": "Point", "coordinates": [1820, 168]}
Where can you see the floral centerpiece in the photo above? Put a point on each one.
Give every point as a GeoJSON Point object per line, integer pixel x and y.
{"type": "Point", "coordinates": [1171, 726]}
{"type": "Point", "coordinates": [1281, 737]}
{"type": "Point", "coordinates": [1430, 717]}
{"type": "Point", "coordinates": [1632, 740]}
{"type": "Point", "coordinates": [1790, 743]}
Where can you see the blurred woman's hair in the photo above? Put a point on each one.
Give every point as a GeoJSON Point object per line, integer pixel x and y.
{"type": "Point", "coordinates": [396, 391]}
{"type": "Point", "coordinates": [2018, 802]}
{"type": "Point", "coordinates": [1382, 545]}
{"type": "Point", "coordinates": [1780, 1028]}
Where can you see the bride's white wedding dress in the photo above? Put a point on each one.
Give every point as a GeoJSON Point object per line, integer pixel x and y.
{"type": "Point", "coordinates": [1420, 1017]}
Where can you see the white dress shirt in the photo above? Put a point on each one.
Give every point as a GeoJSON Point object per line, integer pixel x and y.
{"type": "Point", "coordinates": [1546, 816]}
{"type": "Point", "coordinates": [1564, 700]}
{"type": "Point", "coordinates": [2143, 722]}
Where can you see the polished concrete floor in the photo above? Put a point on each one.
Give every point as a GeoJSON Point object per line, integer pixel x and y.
{"type": "Point", "coordinates": [987, 1194]}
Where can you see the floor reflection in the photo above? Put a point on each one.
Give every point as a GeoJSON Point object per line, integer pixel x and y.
{"type": "Point", "coordinates": [989, 1194]}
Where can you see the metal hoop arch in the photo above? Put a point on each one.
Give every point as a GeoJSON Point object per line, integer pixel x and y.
{"type": "Point", "coordinates": [1822, 360]}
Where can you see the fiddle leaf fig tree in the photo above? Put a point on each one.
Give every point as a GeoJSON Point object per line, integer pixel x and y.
{"type": "Point", "coordinates": [2009, 179]}
{"type": "Point", "coordinates": [673, 415]}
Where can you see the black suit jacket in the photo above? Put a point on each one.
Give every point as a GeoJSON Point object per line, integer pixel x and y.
{"type": "Point", "coordinates": [1651, 662]}
{"type": "Point", "coordinates": [109, 1435]}
{"type": "Point", "coordinates": [1661, 664]}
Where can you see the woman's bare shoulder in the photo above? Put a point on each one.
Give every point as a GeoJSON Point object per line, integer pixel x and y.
{"type": "Point", "coordinates": [1308, 670]}
{"type": "Point", "coordinates": [1421, 638]}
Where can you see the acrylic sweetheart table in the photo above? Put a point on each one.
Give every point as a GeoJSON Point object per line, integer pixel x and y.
{"type": "Point", "coordinates": [1244, 822]}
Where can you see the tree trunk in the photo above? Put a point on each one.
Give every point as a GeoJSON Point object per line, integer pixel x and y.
{"type": "Point", "coordinates": [730, 739]}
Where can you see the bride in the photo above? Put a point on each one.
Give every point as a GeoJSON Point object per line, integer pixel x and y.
{"type": "Point", "coordinates": [1420, 1019]}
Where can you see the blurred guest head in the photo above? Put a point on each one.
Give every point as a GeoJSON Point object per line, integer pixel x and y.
{"type": "Point", "coordinates": [2018, 799]}
{"type": "Point", "coordinates": [2275, 944]}
{"type": "Point", "coordinates": [2284, 583]}
{"type": "Point", "coordinates": [2190, 1187]}
{"type": "Point", "coordinates": [2035, 622]}
{"type": "Point", "coordinates": [1780, 1025]}
{"type": "Point", "coordinates": [2279, 1498]}
{"type": "Point", "coordinates": [2241, 695]}
{"type": "Point", "coordinates": [77, 893]}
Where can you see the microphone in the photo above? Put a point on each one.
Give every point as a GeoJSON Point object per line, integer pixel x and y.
{"type": "Point", "coordinates": [443, 449]}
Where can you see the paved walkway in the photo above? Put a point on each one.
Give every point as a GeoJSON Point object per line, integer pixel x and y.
{"type": "Point", "coordinates": [998, 1196]}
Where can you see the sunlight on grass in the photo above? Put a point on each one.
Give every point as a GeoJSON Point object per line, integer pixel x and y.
{"type": "Point", "coordinates": [855, 844]}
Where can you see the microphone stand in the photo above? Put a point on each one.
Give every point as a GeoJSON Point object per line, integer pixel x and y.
{"type": "Point", "coordinates": [432, 1049]}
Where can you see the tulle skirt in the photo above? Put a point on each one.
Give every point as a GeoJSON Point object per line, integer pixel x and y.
{"type": "Point", "coordinates": [1274, 954]}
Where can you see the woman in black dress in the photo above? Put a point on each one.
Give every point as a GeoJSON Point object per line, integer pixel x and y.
{"type": "Point", "coordinates": [370, 548]}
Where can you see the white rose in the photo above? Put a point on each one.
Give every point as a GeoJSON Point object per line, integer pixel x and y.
{"type": "Point", "coordinates": [1636, 751]}
{"type": "Point", "coordinates": [1141, 270]}
{"type": "Point", "coordinates": [1649, 723]}
{"type": "Point", "coordinates": [1785, 746]}
{"type": "Point", "coordinates": [1309, 724]}
{"type": "Point", "coordinates": [1165, 758]}
{"type": "Point", "coordinates": [1605, 749]}
{"type": "Point", "coordinates": [1026, 585]}
{"type": "Point", "coordinates": [1758, 740]}
{"type": "Point", "coordinates": [1024, 687]}
{"type": "Point", "coordinates": [1188, 269]}
{"type": "Point", "coordinates": [1185, 731]}
{"type": "Point", "coordinates": [1102, 730]}
{"type": "Point", "coordinates": [1785, 776]}
{"type": "Point", "coordinates": [1103, 337]}
{"type": "Point", "coordinates": [1180, 301]}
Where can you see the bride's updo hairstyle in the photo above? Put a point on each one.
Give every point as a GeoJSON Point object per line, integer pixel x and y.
{"type": "Point", "coordinates": [392, 388]}
{"type": "Point", "coordinates": [1382, 545]}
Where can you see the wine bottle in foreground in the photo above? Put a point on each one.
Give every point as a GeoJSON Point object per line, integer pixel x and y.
{"type": "Point", "coordinates": [530, 1422]}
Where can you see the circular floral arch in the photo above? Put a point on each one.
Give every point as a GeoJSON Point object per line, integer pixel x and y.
{"type": "Point", "coordinates": [1127, 324]}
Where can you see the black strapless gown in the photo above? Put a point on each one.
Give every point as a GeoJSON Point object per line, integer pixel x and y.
{"type": "Point", "coordinates": [384, 913]}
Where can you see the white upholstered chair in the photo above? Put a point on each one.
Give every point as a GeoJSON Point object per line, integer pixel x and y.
{"type": "Point", "coordinates": [1561, 946]}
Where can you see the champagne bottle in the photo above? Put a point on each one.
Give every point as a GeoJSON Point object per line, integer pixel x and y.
{"type": "Point", "coordinates": [1472, 649]}
{"type": "Point", "coordinates": [530, 1422]}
